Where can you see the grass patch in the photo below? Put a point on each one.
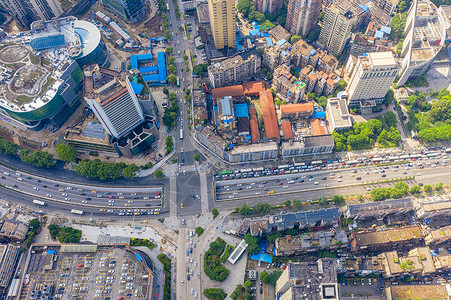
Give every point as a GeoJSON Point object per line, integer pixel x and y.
{"type": "Point", "coordinates": [227, 253]}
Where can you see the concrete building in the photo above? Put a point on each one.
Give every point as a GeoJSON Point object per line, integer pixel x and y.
{"type": "Point", "coordinates": [279, 33]}
{"type": "Point", "coordinates": [234, 70]}
{"type": "Point", "coordinates": [303, 55]}
{"type": "Point", "coordinates": [131, 11]}
{"type": "Point", "coordinates": [432, 208]}
{"type": "Point", "coordinates": [212, 141]}
{"type": "Point", "coordinates": [268, 6]}
{"type": "Point", "coordinates": [13, 230]}
{"type": "Point", "coordinates": [360, 266]}
{"type": "Point", "coordinates": [439, 236]}
{"type": "Point", "coordinates": [338, 21]}
{"type": "Point", "coordinates": [378, 210]}
{"type": "Point", "coordinates": [110, 95]}
{"type": "Point", "coordinates": [309, 145]}
{"type": "Point", "coordinates": [269, 115]}
{"type": "Point", "coordinates": [236, 254]}
{"type": "Point", "coordinates": [302, 16]}
{"type": "Point", "coordinates": [277, 55]}
{"type": "Point", "coordinates": [252, 152]}
{"type": "Point", "coordinates": [387, 6]}
{"type": "Point", "coordinates": [9, 256]}
{"type": "Point", "coordinates": [296, 111]}
{"type": "Point", "coordinates": [309, 280]}
{"type": "Point", "coordinates": [222, 22]}
{"type": "Point", "coordinates": [27, 11]}
{"type": "Point", "coordinates": [380, 240]}
{"type": "Point", "coordinates": [225, 116]}
{"type": "Point", "coordinates": [286, 86]}
{"type": "Point", "coordinates": [310, 242]}
{"type": "Point", "coordinates": [372, 77]}
{"type": "Point", "coordinates": [427, 31]}
{"type": "Point", "coordinates": [337, 114]}
{"type": "Point", "coordinates": [430, 291]}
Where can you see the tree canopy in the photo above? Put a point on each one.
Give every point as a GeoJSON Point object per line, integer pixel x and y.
{"type": "Point", "coordinates": [66, 152]}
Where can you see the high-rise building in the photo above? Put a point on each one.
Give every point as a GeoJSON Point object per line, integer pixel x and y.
{"type": "Point", "coordinates": [112, 99]}
{"type": "Point", "coordinates": [28, 11]}
{"type": "Point", "coordinates": [338, 21]}
{"type": "Point", "coordinates": [132, 11]}
{"type": "Point", "coordinates": [268, 6]}
{"type": "Point", "coordinates": [222, 22]}
{"type": "Point", "coordinates": [302, 16]}
{"type": "Point", "coordinates": [372, 77]}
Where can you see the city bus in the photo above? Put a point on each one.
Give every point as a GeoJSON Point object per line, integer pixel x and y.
{"type": "Point", "coordinates": [39, 202]}
{"type": "Point", "coordinates": [77, 212]}
{"type": "Point", "coordinates": [181, 133]}
{"type": "Point", "coordinates": [178, 81]}
{"type": "Point", "coordinates": [226, 172]}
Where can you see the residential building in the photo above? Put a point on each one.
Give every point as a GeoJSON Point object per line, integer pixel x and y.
{"type": "Point", "coordinates": [237, 69]}
{"type": "Point", "coordinates": [296, 111]}
{"type": "Point", "coordinates": [432, 208]}
{"type": "Point", "coordinates": [320, 82]}
{"type": "Point", "coordinates": [286, 86]}
{"type": "Point", "coordinates": [110, 95]}
{"type": "Point", "coordinates": [302, 16]}
{"type": "Point", "coordinates": [309, 145]}
{"type": "Point", "coordinates": [132, 11]}
{"type": "Point", "coordinates": [303, 55]}
{"type": "Point", "coordinates": [287, 130]}
{"type": "Point", "coordinates": [13, 230]}
{"type": "Point", "coordinates": [212, 141]}
{"type": "Point", "coordinates": [337, 114]}
{"type": "Point", "coordinates": [268, 6]}
{"type": "Point", "coordinates": [372, 77]}
{"type": "Point", "coordinates": [360, 266]}
{"type": "Point", "coordinates": [253, 88]}
{"type": "Point", "coordinates": [269, 115]}
{"type": "Point", "coordinates": [387, 6]}
{"type": "Point", "coordinates": [9, 256]}
{"type": "Point", "coordinates": [279, 33]}
{"type": "Point", "coordinates": [393, 238]}
{"type": "Point", "coordinates": [429, 291]}
{"type": "Point", "coordinates": [428, 30]}
{"type": "Point", "coordinates": [378, 210]}
{"type": "Point", "coordinates": [339, 19]}
{"type": "Point", "coordinates": [438, 236]}
{"type": "Point", "coordinates": [252, 152]}
{"type": "Point", "coordinates": [309, 280]}
{"type": "Point", "coordinates": [310, 242]}
{"type": "Point", "coordinates": [225, 116]}
{"type": "Point", "coordinates": [277, 55]}
{"type": "Point", "coordinates": [375, 39]}
{"type": "Point", "coordinates": [222, 23]}
{"type": "Point", "coordinates": [28, 11]}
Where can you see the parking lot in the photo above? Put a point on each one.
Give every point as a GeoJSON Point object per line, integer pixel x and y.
{"type": "Point", "coordinates": [112, 273]}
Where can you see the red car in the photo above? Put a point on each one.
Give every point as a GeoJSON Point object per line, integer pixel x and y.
{"type": "Point", "coordinates": [158, 194]}
{"type": "Point", "coordinates": [80, 266]}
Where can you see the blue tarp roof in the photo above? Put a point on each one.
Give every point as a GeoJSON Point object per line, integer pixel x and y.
{"type": "Point", "coordinates": [241, 110]}
{"type": "Point", "coordinates": [262, 257]}
{"type": "Point", "coordinates": [254, 32]}
{"type": "Point", "coordinates": [269, 41]}
{"type": "Point", "coordinates": [312, 52]}
{"type": "Point", "coordinates": [137, 88]}
{"type": "Point", "coordinates": [51, 252]}
{"type": "Point", "coordinates": [138, 257]}
{"type": "Point", "coordinates": [151, 78]}
{"type": "Point", "coordinates": [386, 29]}
{"type": "Point", "coordinates": [134, 61]}
{"type": "Point", "coordinates": [319, 113]}
{"type": "Point", "coordinates": [161, 67]}
{"type": "Point", "coordinates": [215, 108]}
{"type": "Point", "coordinates": [151, 69]}
{"type": "Point", "coordinates": [257, 27]}
{"type": "Point", "coordinates": [379, 34]}
{"type": "Point", "coordinates": [281, 42]}
{"type": "Point", "coordinates": [364, 7]}
{"type": "Point", "coordinates": [265, 34]}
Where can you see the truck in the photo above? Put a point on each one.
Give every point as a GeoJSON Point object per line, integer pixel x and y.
{"type": "Point", "coordinates": [181, 133]}
{"type": "Point", "coordinates": [39, 202]}
{"type": "Point", "coordinates": [77, 212]}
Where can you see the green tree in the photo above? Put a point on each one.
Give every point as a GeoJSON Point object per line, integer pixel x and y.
{"type": "Point", "coordinates": [185, 57]}
{"type": "Point", "coordinates": [415, 189]}
{"type": "Point", "coordinates": [172, 79]}
{"type": "Point", "coordinates": [181, 29]}
{"type": "Point", "coordinates": [261, 208]}
{"type": "Point", "coordinates": [294, 39]}
{"type": "Point", "coordinates": [167, 35]}
{"type": "Point", "coordinates": [199, 231]}
{"type": "Point", "coordinates": [287, 203]}
{"type": "Point", "coordinates": [390, 119]}
{"type": "Point", "coordinates": [165, 91]}
{"type": "Point", "coordinates": [159, 174]}
{"type": "Point", "coordinates": [66, 152]}
{"type": "Point", "coordinates": [197, 157]}
{"type": "Point", "coordinates": [267, 25]}
{"type": "Point", "coordinates": [34, 224]}
{"type": "Point", "coordinates": [215, 213]}
{"type": "Point", "coordinates": [338, 199]}
{"type": "Point", "coordinates": [169, 50]}
{"type": "Point", "coordinates": [248, 284]}
{"type": "Point", "coordinates": [274, 276]}
{"type": "Point", "coordinates": [253, 249]}
{"type": "Point", "coordinates": [264, 276]}
{"type": "Point", "coordinates": [297, 203]}
{"type": "Point", "coordinates": [171, 69]}
{"type": "Point", "coordinates": [438, 186]}
{"type": "Point", "coordinates": [164, 16]}
{"type": "Point", "coordinates": [171, 59]}
{"type": "Point", "coordinates": [245, 7]}
{"type": "Point", "coordinates": [130, 171]}
{"type": "Point", "coordinates": [215, 294]}
{"type": "Point", "coordinates": [38, 159]}
{"type": "Point", "coordinates": [245, 209]}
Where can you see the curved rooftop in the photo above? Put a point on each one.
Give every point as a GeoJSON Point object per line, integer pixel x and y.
{"type": "Point", "coordinates": [88, 34]}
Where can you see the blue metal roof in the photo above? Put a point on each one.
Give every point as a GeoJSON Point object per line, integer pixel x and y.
{"type": "Point", "coordinates": [364, 7]}
{"type": "Point", "coordinates": [269, 41]}
{"type": "Point", "coordinates": [254, 32]}
{"type": "Point", "coordinates": [262, 257]}
{"type": "Point", "coordinates": [151, 78]}
{"type": "Point", "coordinates": [134, 61]}
{"type": "Point", "coordinates": [161, 67]}
{"type": "Point", "coordinates": [379, 34]}
{"type": "Point", "coordinates": [138, 257]}
{"type": "Point", "coordinates": [226, 106]}
{"type": "Point", "coordinates": [319, 113]}
{"type": "Point", "coordinates": [265, 34]}
{"type": "Point", "coordinates": [51, 252]}
{"type": "Point", "coordinates": [281, 42]}
{"type": "Point", "coordinates": [137, 88]}
{"type": "Point", "coordinates": [241, 110]}
{"type": "Point", "coordinates": [386, 29]}
{"type": "Point", "coordinates": [145, 57]}
{"type": "Point", "coordinates": [312, 52]}
{"type": "Point", "coordinates": [148, 70]}
{"type": "Point", "coordinates": [215, 108]}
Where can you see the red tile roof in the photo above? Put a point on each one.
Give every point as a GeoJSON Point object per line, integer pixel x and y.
{"type": "Point", "coordinates": [298, 107]}
{"type": "Point", "coordinates": [317, 129]}
{"type": "Point", "coordinates": [287, 131]}
{"type": "Point", "coordinates": [269, 115]}
{"type": "Point", "coordinates": [255, 132]}
{"type": "Point", "coordinates": [233, 91]}
{"type": "Point", "coordinates": [254, 87]}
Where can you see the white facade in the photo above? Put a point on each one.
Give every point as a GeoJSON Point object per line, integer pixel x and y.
{"type": "Point", "coordinates": [372, 77]}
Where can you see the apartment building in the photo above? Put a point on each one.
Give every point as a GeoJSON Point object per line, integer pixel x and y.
{"type": "Point", "coordinates": [379, 210]}
{"type": "Point", "coordinates": [296, 111]}
{"type": "Point", "coordinates": [27, 11]}
{"type": "Point", "coordinates": [303, 55]}
{"type": "Point", "coordinates": [432, 208]}
{"type": "Point", "coordinates": [252, 152]}
{"type": "Point", "coordinates": [222, 23]}
{"type": "Point", "coordinates": [286, 86]}
{"type": "Point", "coordinates": [439, 236]}
{"type": "Point", "coordinates": [372, 77]}
{"type": "Point", "coordinates": [111, 97]}
{"type": "Point", "coordinates": [277, 55]}
{"type": "Point", "coordinates": [130, 11]}
{"type": "Point", "coordinates": [319, 82]}
{"type": "Point", "coordinates": [237, 69]}
{"type": "Point", "coordinates": [309, 145]}
{"type": "Point", "coordinates": [13, 230]}
{"type": "Point", "coordinates": [337, 114]}
{"type": "Point", "coordinates": [309, 280]}
{"type": "Point", "coordinates": [339, 19]}
{"type": "Point", "coordinates": [9, 256]}
{"type": "Point", "coordinates": [268, 6]}
{"type": "Point", "coordinates": [302, 16]}
{"type": "Point", "coordinates": [387, 6]}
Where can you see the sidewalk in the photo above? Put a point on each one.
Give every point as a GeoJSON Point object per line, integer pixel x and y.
{"type": "Point", "coordinates": [144, 173]}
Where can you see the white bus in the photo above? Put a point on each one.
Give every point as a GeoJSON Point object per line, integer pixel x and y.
{"type": "Point", "coordinates": [77, 212]}
{"type": "Point", "coordinates": [181, 133]}
{"type": "Point", "coordinates": [39, 202]}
